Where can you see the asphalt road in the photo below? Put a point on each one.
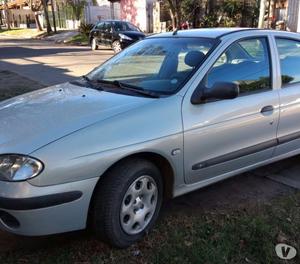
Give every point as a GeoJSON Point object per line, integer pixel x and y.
{"type": "Point", "coordinates": [46, 62]}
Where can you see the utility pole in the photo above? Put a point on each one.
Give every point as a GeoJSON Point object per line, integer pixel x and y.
{"type": "Point", "coordinates": [262, 11]}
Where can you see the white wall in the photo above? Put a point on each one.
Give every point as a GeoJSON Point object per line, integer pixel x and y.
{"type": "Point", "coordinates": [102, 11]}
{"type": "Point", "coordinates": [134, 11]}
{"type": "Point", "coordinates": [293, 15]}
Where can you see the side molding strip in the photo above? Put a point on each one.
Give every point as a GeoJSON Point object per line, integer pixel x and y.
{"type": "Point", "coordinates": [246, 151]}
{"type": "Point", "coordinates": [288, 138]}
{"type": "Point", "coordinates": [235, 155]}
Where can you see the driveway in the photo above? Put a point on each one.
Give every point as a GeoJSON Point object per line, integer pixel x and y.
{"type": "Point", "coordinates": [46, 62]}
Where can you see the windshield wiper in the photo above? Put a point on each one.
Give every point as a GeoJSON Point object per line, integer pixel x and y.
{"type": "Point", "coordinates": [86, 78]}
{"type": "Point", "coordinates": [130, 87]}
{"type": "Point", "coordinates": [93, 84]}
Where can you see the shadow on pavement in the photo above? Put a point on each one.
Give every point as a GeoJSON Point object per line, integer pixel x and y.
{"type": "Point", "coordinates": [47, 75]}
{"type": "Point", "coordinates": [21, 52]}
{"type": "Point", "coordinates": [46, 62]}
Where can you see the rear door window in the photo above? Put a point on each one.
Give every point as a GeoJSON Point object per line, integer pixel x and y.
{"type": "Point", "coordinates": [289, 54]}
{"type": "Point", "coordinates": [100, 26]}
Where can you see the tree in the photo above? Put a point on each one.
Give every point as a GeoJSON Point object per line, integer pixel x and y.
{"type": "Point", "coordinates": [175, 11]}
{"type": "Point", "coordinates": [191, 11]}
{"type": "Point", "coordinates": [77, 7]}
{"type": "Point", "coordinates": [7, 15]}
{"type": "Point", "coordinates": [45, 6]}
{"type": "Point", "coordinates": [262, 11]}
{"type": "Point", "coordinates": [232, 8]}
{"type": "Point", "coordinates": [36, 6]}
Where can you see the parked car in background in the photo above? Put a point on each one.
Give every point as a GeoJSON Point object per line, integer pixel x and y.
{"type": "Point", "coordinates": [115, 34]}
{"type": "Point", "coordinates": [169, 115]}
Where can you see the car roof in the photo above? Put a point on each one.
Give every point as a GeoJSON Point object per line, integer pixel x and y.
{"type": "Point", "coordinates": [113, 20]}
{"type": "Point", "coordinates": [206, 32]}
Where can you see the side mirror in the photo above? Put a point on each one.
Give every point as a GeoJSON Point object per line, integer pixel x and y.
{"type": "Point", "coordinates": [220, 90]}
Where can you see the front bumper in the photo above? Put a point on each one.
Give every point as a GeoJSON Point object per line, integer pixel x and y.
{"type": "Point", "coordinates": [33, 211]}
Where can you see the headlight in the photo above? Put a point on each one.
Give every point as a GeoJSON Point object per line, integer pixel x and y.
{"type": "Point", "coordinates": [15, 167]}
{"type": "Point", "coordinates": [122, 36]}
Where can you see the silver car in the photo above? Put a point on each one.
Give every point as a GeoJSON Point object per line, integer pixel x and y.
{"type": "Point", "coordinates": [171, 114]}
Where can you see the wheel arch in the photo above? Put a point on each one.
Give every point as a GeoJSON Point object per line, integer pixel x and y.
{"type": "Point", "coordinates": [162, 163]}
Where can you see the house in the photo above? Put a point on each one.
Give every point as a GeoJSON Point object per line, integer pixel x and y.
{"type": "Point", "coordinates": [283, 14]}
{"type": "Point", "coordinates": [292, 15]}
{"type": "Point", "coordinates": [20, 13]}
{"type": "Point", "coordinates": [138, 12]}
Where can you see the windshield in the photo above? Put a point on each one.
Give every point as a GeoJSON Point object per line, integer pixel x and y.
{"type": "Point", "coordinates": [161, 65]}
{"type": "Point", "coordinates": [124, 26]}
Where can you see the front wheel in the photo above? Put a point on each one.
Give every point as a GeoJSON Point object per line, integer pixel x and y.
{"type": "Point", "coordinates": [94, 44]}
{"type": "Point", "coordinates": [117, 46]}
{"type": "Point", "coordinates": [127, 202]}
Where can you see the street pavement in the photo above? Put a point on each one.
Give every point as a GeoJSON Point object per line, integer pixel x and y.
{"type": "Point", "coordinates": [46, 62]}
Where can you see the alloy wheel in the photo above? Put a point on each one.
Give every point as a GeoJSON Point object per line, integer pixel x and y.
{"type": "Point", "coordinates": [138, 205]}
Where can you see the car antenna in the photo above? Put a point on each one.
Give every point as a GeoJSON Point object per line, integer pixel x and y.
{"type": "Point", "coordinates": [175, 32]}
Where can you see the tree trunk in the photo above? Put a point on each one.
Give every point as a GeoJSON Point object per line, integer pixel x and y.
{"type": "Point", "coordinates": [262, 12]}
{"type": "Point", "coordinates": [211, 6]}
{"type": "Point", "coordinates": [244, 15]}
{"type": "Point", "coordinates": [7, 15]}
{"type": "Point", "coordinates": [0, 20]}
{"type": "Point", "coordinates": [175, 13]}
{"type": "Point", "coordinates": [53, 16]}
{"type": "Point", "coordinates": [173, 19]}
{"type": "Point", "coordinates": [48, 26]}
{"type": "Point", "coordinates": [37, 21]}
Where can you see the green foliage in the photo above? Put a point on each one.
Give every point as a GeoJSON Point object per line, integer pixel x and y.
{"type": "Point", "coordinates": [205, 13]}
{"type": "Point", "coordinates": [190, 8]}
{"type": "Point", "coordinates": [80, 39]}
{"type": "Point", "coordinates": [232, 8]}
{"type": "Point", "coordinates": [85, 28]}
{"type": "Point", "coordinates": [77, 7]}
{"type": "Point", "coordinates": [210, 20]}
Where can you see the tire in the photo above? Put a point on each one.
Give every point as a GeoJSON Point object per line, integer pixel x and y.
{"type": "Point", "coordinates": [127, 202]}
{"type": "Point", "coordinates": [94, 45]}
{"type": "Point", "coordinates": [116, 45]}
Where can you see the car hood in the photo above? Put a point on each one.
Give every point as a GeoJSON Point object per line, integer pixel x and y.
{"type": "Point", "coordinates": [31, 121]}
{"type": "Point", "coordinates": [133, 34]}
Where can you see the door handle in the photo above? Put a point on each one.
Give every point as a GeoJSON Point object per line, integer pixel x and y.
{"type": "Point", "coordinates": [267, 109]}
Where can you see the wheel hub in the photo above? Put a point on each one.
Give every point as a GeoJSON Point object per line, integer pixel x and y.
{"type": "Point", "coordinates": [139, 205]}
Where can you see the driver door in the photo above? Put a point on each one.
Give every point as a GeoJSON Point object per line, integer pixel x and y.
{"type": "Point", "coordinates": [223, 136]}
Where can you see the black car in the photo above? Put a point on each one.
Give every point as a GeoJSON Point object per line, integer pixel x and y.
{"type": "Point", "coordinates": [115, 34]}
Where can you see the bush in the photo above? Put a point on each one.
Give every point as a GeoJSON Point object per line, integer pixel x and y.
{"type": "Point", "coordinates": [85, 28]}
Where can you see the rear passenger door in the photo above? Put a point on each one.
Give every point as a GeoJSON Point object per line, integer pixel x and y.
{"type": "Point", "coordinates": [107, 34]}
{"type": "Point", "coordinates": [98, 32]}
{"type": "Point", "coordinates": [289, 66]}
